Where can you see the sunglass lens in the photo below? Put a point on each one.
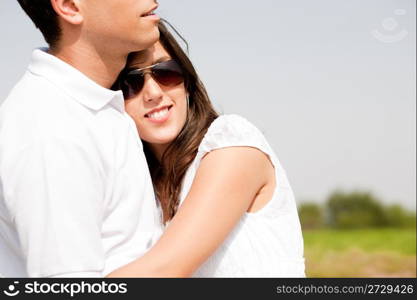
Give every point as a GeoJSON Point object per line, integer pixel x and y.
{"type": "Point", "coordinates": [168, 77]}
{"type": "Point", "coordinates": [132, 85]}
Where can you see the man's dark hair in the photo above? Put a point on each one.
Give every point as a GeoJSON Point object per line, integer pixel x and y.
{"type": "Point", "coordinates": [45, 18]}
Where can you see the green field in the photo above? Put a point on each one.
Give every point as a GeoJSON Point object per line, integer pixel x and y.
{"type": "Point", "coordinates": [360, 253]}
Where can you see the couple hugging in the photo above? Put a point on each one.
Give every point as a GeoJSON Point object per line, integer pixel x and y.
{"type": "Point", "coordinates": [114, 163]}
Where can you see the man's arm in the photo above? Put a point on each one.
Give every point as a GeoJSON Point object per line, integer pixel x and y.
{"type": "Point", "coordinates": [54, 191]}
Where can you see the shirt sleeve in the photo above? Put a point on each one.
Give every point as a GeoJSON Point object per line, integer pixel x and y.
{"type": "Point", "coordinates": [234, 131]}
{"type": "Point", "coordinates": [54, 191]}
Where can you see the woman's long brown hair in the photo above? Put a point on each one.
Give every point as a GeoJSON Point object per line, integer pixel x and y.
{"type": "Point", "coordinates": [168, 174]}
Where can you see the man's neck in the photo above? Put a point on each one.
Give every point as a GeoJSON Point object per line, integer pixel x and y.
{"type": "Point", "coordinates": [100, 66]}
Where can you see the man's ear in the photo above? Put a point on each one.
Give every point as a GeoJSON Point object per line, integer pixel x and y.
{"type": "Point", "coordinates": [69, 10]}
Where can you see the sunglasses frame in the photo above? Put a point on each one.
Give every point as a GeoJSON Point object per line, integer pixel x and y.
{"type": "Point", "coordinates": [149, 70]}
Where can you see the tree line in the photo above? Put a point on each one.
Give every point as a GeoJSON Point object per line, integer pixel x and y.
{"type": "Point", "coordinates": [354, 210]}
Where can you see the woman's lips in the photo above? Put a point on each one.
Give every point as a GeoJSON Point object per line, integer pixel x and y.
{"type": "Point", "coordinates": [160, 115]}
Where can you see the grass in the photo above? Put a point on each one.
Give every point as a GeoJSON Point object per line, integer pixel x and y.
{"type": "Point", "coordinates": [360, 253]}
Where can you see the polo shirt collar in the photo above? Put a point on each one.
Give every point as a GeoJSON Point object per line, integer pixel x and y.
{"type": "Point", "coordinates": [77, 85]}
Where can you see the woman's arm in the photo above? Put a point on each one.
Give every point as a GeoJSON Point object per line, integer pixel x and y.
{"type": "Point", "coordinates": [225, 185]}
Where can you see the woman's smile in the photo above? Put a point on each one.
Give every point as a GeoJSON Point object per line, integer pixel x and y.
{"type": "Point", "coordinates": [159, 115]}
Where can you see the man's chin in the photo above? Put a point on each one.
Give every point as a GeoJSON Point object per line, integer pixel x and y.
{"type": "Point", "coordinates": [151, 39]}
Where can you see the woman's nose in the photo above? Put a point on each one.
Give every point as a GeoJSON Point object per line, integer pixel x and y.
{"type": "Point", "coordinates": [151, 89]}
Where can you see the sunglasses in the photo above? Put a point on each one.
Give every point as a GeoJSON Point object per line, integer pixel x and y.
{"type": "Point", "coordinates": [167, 73]}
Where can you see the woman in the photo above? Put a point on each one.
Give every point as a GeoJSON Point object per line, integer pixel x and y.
{"type": "Point", "coordinates": [226, 201]}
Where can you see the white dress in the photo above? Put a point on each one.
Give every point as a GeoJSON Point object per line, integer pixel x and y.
{"type": "Point", "coordinates": [266, 243]}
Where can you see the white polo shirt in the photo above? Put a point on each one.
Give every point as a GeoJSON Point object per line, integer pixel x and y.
{"type": "Point", "coordinates": [76, 197]}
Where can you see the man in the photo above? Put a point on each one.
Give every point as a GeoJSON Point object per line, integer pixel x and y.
{"type": "Point", "coordinates": [76, 199]}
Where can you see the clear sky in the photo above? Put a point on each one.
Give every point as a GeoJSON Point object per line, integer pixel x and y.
{"type": "Point", "coordinates": [331, 83]}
